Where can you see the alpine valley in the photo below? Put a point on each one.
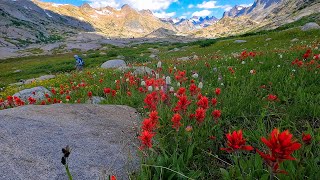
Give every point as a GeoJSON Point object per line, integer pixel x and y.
{"type": "Point", "coordinates": [33, 24]}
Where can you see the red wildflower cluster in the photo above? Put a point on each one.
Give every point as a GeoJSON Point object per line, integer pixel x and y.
{"type": "Point", "coordinates": [193, 89]}
{"type": "Point", "coordinates": [245, 54]}
{"type": "Point", "coordinates": [281, 146]}
{"type": "Point", "coordinates": [182, 104]}
{"type": "Point", "coordinates": [216, 114]}
{"type": "Point", "coordinates": [306, 138]}
{"type": "Point", "coordinates": [203, 102]}
{"type": "Point", "coordinates": [200, 115]}
{"type": "Point", "coordinates": [218, 91]}
{"type": "Point", "coordinates": [236, 142]}
{"type": "Point", "coordinates": [176, 121]}
{"type": "Point", "coordinates": [180, 76]}
{"type": "Point", "coordinates": [231, 70]}
{"type": "Point", "coordinates": [146, 139]}
{"type": "Point", "coordinates": [272, 97]}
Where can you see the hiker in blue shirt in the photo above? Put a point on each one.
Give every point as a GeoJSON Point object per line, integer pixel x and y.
{"type": "Point", "coordinates": [79, 63]}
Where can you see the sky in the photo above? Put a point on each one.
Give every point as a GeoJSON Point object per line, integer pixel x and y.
{"type": "Point", "coordinates": [168, 8]}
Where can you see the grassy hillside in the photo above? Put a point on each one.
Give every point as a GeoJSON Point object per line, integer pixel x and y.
{"type": "Point", "coordinates": [217, 116]}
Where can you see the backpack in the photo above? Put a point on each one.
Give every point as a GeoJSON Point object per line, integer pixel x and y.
{"type": "Point", "coordinates": [80, 62]}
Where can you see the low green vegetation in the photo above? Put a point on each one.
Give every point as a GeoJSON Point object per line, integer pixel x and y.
{"type": "Point", "coordinates": [215, 118]}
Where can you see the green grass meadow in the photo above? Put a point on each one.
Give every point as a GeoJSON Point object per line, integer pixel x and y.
{"type": "Point", "coordinates": [245, 86]}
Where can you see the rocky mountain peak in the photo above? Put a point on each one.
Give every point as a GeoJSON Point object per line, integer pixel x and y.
{"type": "Point", "coordinates": [85, 6]}
{"type": "Point", "coordinates": [146, 11]}
{"type": "Point", "coordinates": [126, 7]}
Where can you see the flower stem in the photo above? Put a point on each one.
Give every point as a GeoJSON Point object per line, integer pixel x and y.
{"type": "Point", "coordinates": [68, 172]}
{"type": "Point", "coordinates": [238, 163]}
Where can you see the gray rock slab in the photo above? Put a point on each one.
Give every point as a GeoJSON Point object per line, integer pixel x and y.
{"type": "Point", "coordinates": [95, 100]}
{"type": "Point", "coordinates": [37, 93]}
{"type": "Point", "coordinates": [101, 137]}
{"type": "Point", "coordinates": [310, 26]}
{"type": "Point", "coordinates": [153, 56]}
{"type": "Point", "coordinates": [41, 78]}
{"type": "Point", "coordinates": [240, 41]}
{"type": "Point", "coordinates": [115, 63]}
{"type": "Point", "coordinates": [142, 70]}
{"type": "Point", "coordinates": [183, 59]}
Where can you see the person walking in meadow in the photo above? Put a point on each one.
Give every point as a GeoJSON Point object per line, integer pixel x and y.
{"type": "Point", "coordinates": [79, 63]}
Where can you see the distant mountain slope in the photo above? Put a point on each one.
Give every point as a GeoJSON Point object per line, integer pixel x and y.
{"type": "Point", "coordinates": [185, 25]}
{"type": "Point", "coordinates": [263, 14]}
{"type": "Point", "coordinates": [22, 22]}
{"type": "Point", "coordinates": [266, 9]}
{"type": "Point", "coordinates": [126, 22]}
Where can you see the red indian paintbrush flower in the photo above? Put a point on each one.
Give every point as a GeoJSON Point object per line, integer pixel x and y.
{"type": "Point", "coordinates": [218, 91]}
{"type": "Point", "coordinates": [176, 121]}
{"type": "Point", "coordinates": [216, 114]}
{"type": "Point", "coordinates": [272, 97]}
{"type": "Point", "coordinates": [214, 101]}
{"type": "Point", "coordinates": [306, 138]}
{"type": "Point", "coordinates": [148, 125]}
{"type": "Point", "coordinates": [146, 139]}
{"type": "Point", "coordinates": [200, 114]}
{"type": "Point", "coordinates": [281, 146]}
{"type": "Point", "coordinates": [113, 177]}
{"type": "Point", "coordinates": [193, 89]}
{"type": "Point", "coordinates": [203, 102]}
{"type": "Point", "coordinates": [106, 90]}
{"type": "Point", "coordinates": [89, 94]}
{"type": "Point", "coordinates": [236, 142]}
{"type": "Point", "coordinates": [182, 104]}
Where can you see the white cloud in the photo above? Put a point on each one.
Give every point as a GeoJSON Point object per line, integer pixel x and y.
{"type": "Point", "coordinates": [226, 7]}
{"type": "Point", "coordinates": [164, 14]}
{"type": "Point", "coordinates": [183, 17]}
{"type": "Point", "coordinates": [202, 13]}
{"type": "Point", "coordinates": [186, 13]}
{"type": "Point", "coordinates": [208, 5]}
{"type": "Point", "coordinates": [213, 5]}
{"type": "Point", "coordinates": [191, 6]}
{"type": "Point", "coordinates": [153, 5]}
{"type": "Point", "coordinates": [246, 5]}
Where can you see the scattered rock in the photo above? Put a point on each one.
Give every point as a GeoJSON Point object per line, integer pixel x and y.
{"type": "Point", "coordinates": [41, 78]}
{"type": "Point", "coordinates": [17, 71]}
{"type": "Point", "coordinates": [124, 68]}
{"type": "Point", "coordinates": [240, 41]}
{"type": "Point", "coordinates": [95, 100]}
{"type": "Point", "coordinates": [16, 84]}
{"type": "Point", "coordinates": [183, 59]}
{"type": "Point", "coordinates": [101, 137]}
{"type": "Point", "coordinates": [115, 63]}
{"type": "Point", "coordinates": [175, 50]}
{"type": "Point", "coordinates": [121, 57]}
{"type": "Point", "coordinates": [154, 51]}
{"type": "Point", "coordinates": [268, 39]}
{"type": "Point", "coordinates": [142, 70]}
{"type": "Point", "coordinates": [37, 93]}
{"type": "Point", "coordinates": [294, 40]}
{"type": "Point", "coordinates": [104, 48]}
{"type": "Point", "coordinates": [195, 57]}
{"type": "Point", "coordinates": [102, 53]}
{"type": "Point", "coordinates": [310, 26]}
{"type": "Point", "coordinates": [153, 56]}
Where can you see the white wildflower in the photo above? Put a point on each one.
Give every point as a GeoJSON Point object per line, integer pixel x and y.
{"type": "Point", "coordinates": [168, 80]}
{"type": "Point", "coordinates": [195, 75]}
